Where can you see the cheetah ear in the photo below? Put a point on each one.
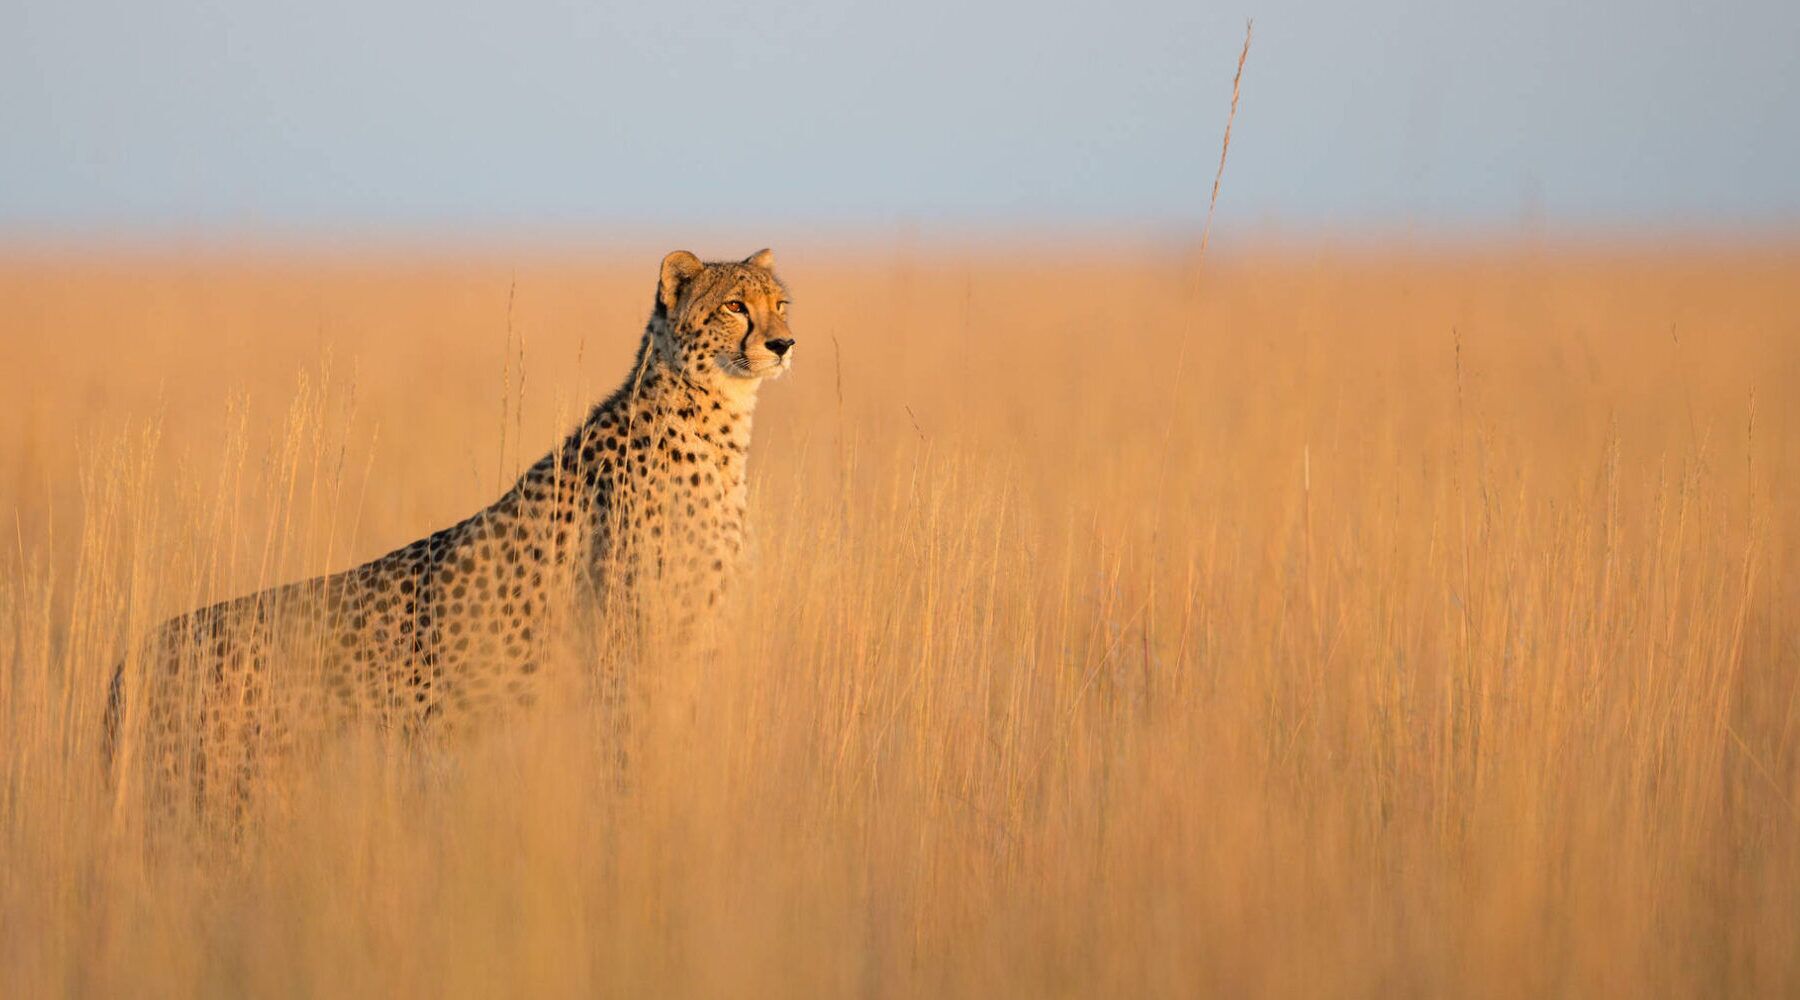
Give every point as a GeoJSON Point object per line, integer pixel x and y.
{"type": "Point", "coordinates": [764, 258]}
{"type": "Point", "coordinates": [678, 269]}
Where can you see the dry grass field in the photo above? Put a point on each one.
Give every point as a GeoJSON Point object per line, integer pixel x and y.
{"type": "Point", "coordinates": [1325, 622]}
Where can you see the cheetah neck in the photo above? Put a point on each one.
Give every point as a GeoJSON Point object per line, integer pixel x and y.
{"type": "Point", "coordinates": [659, 401]}
{"type": "Point", "coordinates": [664, 455]}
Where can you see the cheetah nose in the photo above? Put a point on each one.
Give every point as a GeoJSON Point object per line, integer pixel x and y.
{"type": "Point", "coordinates": [780, 345]}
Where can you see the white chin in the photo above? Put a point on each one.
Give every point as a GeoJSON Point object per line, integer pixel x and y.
{"type": "Point", "coordinates": [754, 371]}
{"type": "Point", "coordinates": [764, 369]}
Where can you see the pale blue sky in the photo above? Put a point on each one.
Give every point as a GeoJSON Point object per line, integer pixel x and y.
{"type": "Point", "coordinates": [124, 115]}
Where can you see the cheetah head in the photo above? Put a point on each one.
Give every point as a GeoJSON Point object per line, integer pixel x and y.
{"type": "Point", "coordinates": [723, 323]}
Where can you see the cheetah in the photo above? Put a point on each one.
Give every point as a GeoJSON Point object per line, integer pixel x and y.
{"type": "Point", "coordinates": [631, 524]}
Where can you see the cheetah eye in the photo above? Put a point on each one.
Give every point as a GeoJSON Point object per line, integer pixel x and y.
{"type": "Point", "coordinates": [734, 306]}
{"type": "Point", "coordinates": [781, 307]}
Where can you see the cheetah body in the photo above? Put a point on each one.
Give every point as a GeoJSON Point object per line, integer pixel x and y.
{"type": "Point", "coordinates": [627, 530]}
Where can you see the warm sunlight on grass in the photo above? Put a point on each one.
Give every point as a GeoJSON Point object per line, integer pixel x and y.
{"type": "Point", "coordinates": [1327, 624]}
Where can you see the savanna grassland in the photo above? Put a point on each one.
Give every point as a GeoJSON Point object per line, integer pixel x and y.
{"type": "Point", "coordinates": [1316, 622]}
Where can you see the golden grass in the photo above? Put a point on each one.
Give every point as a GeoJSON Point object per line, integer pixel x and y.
{"type": "Point", "coordinates": [1445, 647]}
